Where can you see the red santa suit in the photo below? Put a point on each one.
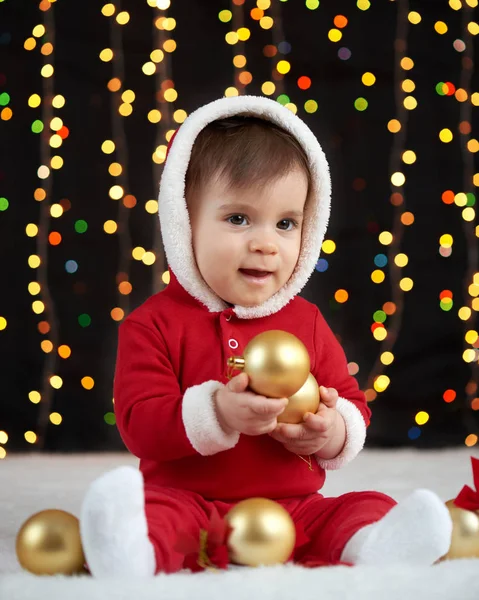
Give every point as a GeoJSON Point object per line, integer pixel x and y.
{"type": "Point", "coordinates": [172, 358]}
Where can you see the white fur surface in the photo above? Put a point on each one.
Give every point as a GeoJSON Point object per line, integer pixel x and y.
{"type": "Point", "coordinates": [173, 213]}
{"type": "Point", "coordinates": [200, 420]}
{"type": "Point", "coordinates": [355, 436]}
{"type": "Point", "coordinates": [29, 483]}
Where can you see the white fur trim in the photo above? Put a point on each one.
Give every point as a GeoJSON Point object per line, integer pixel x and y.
{"type": "Point", "coordinates": [200, 420]}
{"type": "Point", "coordinates": [174, 218]}
{"type": "Point", "coordinates": [113, 526]}
{"type": "Point", "coordinates": [355, 436]}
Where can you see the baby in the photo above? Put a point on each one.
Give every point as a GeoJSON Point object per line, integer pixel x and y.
{"type": "Point", "coordinates": [244, 205]}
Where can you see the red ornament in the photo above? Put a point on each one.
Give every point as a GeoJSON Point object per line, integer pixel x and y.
{"type": "Point", "coordinates": [468, 499]}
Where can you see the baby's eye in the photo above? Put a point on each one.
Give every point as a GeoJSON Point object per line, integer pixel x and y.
{"type": "Point", "coordinates": [286, 224]}
{"type": "Point", "coordinates": [237, 220]}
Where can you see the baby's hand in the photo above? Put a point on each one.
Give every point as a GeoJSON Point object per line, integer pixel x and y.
{"type": "Point", "coordinates": [246, 412]}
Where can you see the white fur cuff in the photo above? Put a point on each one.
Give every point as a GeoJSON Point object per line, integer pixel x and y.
{"type": "Point", "coordinates": [200, 420]}
{"type": "Point", "coordinates": [355, 436]}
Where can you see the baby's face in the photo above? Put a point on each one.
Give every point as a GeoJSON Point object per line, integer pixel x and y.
{"type": "Point", "coordinates": [247, 241]}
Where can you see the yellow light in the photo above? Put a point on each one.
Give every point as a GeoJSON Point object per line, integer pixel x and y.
{"type": "Point", "coordinates": [440, 27]}
{"type": "Point", "coordinates": [110, 226]}
{"type": "Point", "coordinates": [292, 107]}
{"type": "Point", "coordinates": [422, 418]}
{"type": "Point", "coordinates": [128, 96]}
{"type": "Point", "coordinates": [169, 24]}
{"type": "Point", "coordinates": [56, 162]}
{"type": "Point", "coordinates": [116, 192]}
{"type": "Point", "coordinates": [38, 31]}
{"type": "Point", "coordinates": [409, 157]}
{"type": "Point", "coordinates": [163, 4]}
{"type": "Point", "coordinates": [328, 246]}
{"type": "Point", "coordinates": [406, 284]}
{"type": "Point", "coordinates": [408, 86]}
{"type": "Point", "coordinates": [268, 88]}
{"type": "Point", "coordinates": [34, 261]}
{"type": "Point", "coordinates": [473, 290]}
{"type": "Point", "coordinates": [115, 169]}
{"type": "Point", "coordinates": [58, 101]}
{"type": "Point", "coordinates": [3, 453]}
{"type": "Point", "coordinates": [475, 179]}
{"type": "Point", "coordinates": [34, 101]}
{"type": "Point", "coordinates": [122, 18]}
{"type": "Point", "coordinates": [34, 397]}
{"type": "Point", "coordinates": [225, 16]}
{"type": "Point", "coordinates": [151, 207]}
{"type": "Point", "coordinates": [179, 116]}
{"type": "Point", "coordinates": [401, 260]}
{"type": "Point", "coordinates": [368, 79]}
{"type": "Point", "coordinates": [231, 38]}
{"type": "Point", "coordinates": [149, 68]}
{"type": "Point", "coordinates": [108, 10]}
{"type": "Point", "coordinates": [394, 126]}
{"type": "Point", "coordinates": [34, 288]}
{"type": "Point", "coordinates": [410, 102]}
{"type": "Point", "coordinates": [460, 199]}
{"type": "Point", "coordinates": [385, 238]}
{"type": "Point", "coordinates": [363, 4]}
{"type": "Point", "coordinates": [455, 4]}
{"type": "Point", "coordinates": [47, 71]}
{"type": "Point", "coordinates": [310, 106]}
{"type": "Point", "coordinates": [469, 355]}
{"type": "Point", "coordinates": [154, 116]}
{"type": "Point", "coordinates": [446, 240]}
{"type": "Point", "coordinates": [475, 304]}
{"type": "Point", "coordinates": [38, 307]}
{"type": "Point", "coordinates": [138, 253]}
{"type": "Point", "coordinates": [398, 179]}
{"type": "Point", "coordinates": [473, 28]}
{"type": "Point", "coordinates": [469, 214]}
{"type": "Point", "coordinates": [378, 276]}
{"type": "Point", "coordinates": [148, 258]}
{"type": "Point", "coordinates": [169, 46]}
{"type": "Point", "coordinates": [243, 34]}
{"type": "Point", "coordinates": [30, 437]}
{"type": "Point", "coordinates": [106, 55]}
{"type": "Point", "coordinates": [335, 35]}
{"type": "Point", "coordinates": [414, 17]}
{"type": "Point", "coordinates": [445, 135]}
{"type": "Point", "coordinates": [55, 418]}
{"type": "Point", "coordinates": [3, 437]}
{"type": "Point", "coordinates": [64, 351]}
{"type": "Point", "coordinates": [239, 61]}
{"type": "Point", "coordinates": [266, 22]}
{"type": "Point", "coordinates": [169, 134]}
{"type": "Point", "coordinates": [30, 43]}
{"type": "Point", "coordinates": [3, 323]}
{"type": "Point", "coordinates": [31, 230]}
{"type": "Point", "coordinates": [108, 146]}
{"type": "Point", "coordinates": [473, 146]}
{"type": "Point", "coordinates": [56, 382]}
{"type": "Point", "coordinates": [170, 95]}
{"type": "Point", "coordinates": [56, 124]}
{"type": "Point", "coordinates": [166, 277]}
{"type": "Point", "coordinates": [125, 109]}
{"type": "Point", "coordinates": [157, 56]}
{"type": "Point", "coordinates": [381, 383]}
{"type": "Point", "coordinates": [263, 4]}
{"type": "Point", "coordinates": [464, 313]}
{"type": "Point", "coordinates": [88, 383]}
{"type": "Point", "coordinates": [231, 91]}
{"type": "Point", "coordinates": [161, 152]}
{"type": "Point", "coordinates": [56, 141]}
{"type": "Point", "coordinates": [471, 336]}
{"type": "Point", "coordinates": [407, 63]}
{"type": "Point", "coordinates": [387, 358]}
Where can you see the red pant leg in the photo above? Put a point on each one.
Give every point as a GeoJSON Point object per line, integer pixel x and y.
{"type": "Point", "coordinates": [169, 513]}
{"type": "Point", "coordinates": [330, 522]}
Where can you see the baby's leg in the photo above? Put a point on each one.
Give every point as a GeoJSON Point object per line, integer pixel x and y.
{"type": "Point", "coordinates": [127, 531]}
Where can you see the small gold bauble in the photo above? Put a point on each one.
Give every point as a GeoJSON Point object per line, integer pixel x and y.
{"type": "Point", "coordinates": [465, 532]}
{"type": "Point", "coordinates": [276, 362]}
{"type": "Point", "coordinates": [263, 533]}
{"type": "Point", "coordinates": [49, 543]}
{"type": "Point", "coordinates": [305, 400]}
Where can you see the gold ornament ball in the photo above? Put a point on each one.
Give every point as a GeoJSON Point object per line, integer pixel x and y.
{"type": "Point", "coordinates": [465, 532]}
{"type": "Point", "coordinates": [276, 362]}
{"type": "Point", "coordinates": [49, 543]}
{"type": "Point", "coordinates": [263, 533]}
{"type": "Point", "coordinates": [305, 400]}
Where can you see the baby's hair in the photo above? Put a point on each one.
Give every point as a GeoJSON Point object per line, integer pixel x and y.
{"type": "Point", "coordinates": [245, 151]}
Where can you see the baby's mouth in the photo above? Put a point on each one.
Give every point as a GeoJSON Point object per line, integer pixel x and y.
{"type": "Point", "coordinates": [255, 273]}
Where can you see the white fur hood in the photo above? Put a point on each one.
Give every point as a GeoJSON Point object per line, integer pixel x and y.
{"type": "Point", "coordinates": [174, 220]}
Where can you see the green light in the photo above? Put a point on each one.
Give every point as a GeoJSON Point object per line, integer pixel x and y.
{"type": "Point", "coordinates": [312, 4]}
{"type": "Point", "coordinates": [439, 88]}
{"type": "Point", "coordinates": [225, 16]}
{"type": "Point", "coordinates": [283, 99]}
{"type": "Point", "coordinates": [3, 204]}
{"type": "Point", "coordinates": [37, 126]}
{"type": "Point", "coordinates": [81, 226]}
{"type": "Point", "coordinates": [379, 316]}
{"type": "Point", "coordinates": [4, 99]}
{"type": "Point", "coordinates": [310, 106]}
{"type": "Point", "coordinates": [360, 104]}
{"type": "Point", "coordinates": [110, 418]}
{"type": "Point", "coordinates": [471, 199]}
{"type": "Point", "coordinates": [446, 304]}
{"type": "Point", "coordinates": [84, 320]}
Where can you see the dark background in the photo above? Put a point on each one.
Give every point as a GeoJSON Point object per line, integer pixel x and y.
{"type": "Point", "coordinates": [427, 342]}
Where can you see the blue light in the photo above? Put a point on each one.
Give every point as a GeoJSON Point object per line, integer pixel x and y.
{"type": "Point", "coordinates": [71, 266]}
{"type": "Point", "coordinates": [284, 47]}
{"type": "Point", "coordinates": [322, 265]}
{"type": "Point", "coordinates": [414, 433]}
{"type": "Point", "coordinates": [380, 260]}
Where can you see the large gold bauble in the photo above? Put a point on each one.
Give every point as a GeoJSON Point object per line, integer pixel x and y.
{"type": "Point", "coordinates": [49, 543]}
{"type": "Point", "coordinates": [305, 400]}
{"type": "Point", "coordinates": [276, 362]}
{"type": "Point", "coordinates": [465, 532]}
{"type": "Point", "coordinates": [263, 533]}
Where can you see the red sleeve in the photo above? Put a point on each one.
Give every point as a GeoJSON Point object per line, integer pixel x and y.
{"type": "Point", "coordinates": [331, 367]}
{"type": "Point", "coordinates": [148, 400]}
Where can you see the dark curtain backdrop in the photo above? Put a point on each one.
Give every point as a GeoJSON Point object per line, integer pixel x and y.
{"type": "Point", "coordinates": [427, 397]}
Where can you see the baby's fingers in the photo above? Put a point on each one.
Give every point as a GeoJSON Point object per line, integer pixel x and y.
{"type": "Point", "coordinates": [267, 407]}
